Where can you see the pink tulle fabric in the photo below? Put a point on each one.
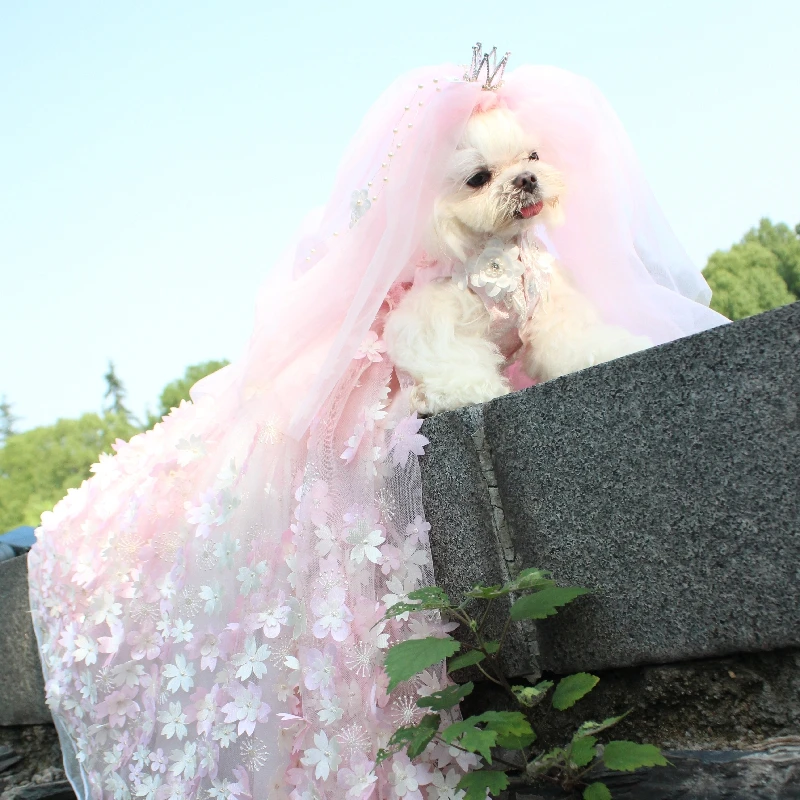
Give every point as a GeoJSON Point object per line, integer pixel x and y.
{"type": "Point", "coordinates": [209, 604]}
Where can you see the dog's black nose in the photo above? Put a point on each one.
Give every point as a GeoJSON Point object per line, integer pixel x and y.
{"type": "Point", "coordinates": [525, 181]}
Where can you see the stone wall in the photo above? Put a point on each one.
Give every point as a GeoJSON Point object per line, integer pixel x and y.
{"type": "Point", "coordinates": [667, 482]}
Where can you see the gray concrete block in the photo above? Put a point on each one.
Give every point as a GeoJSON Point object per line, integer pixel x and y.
{"type": "Point", "coordinates": [465, 544]}
{"type": "Point", "coordinates": [22, 692]}
{"type": "Point", "coordinates": [668, 482]}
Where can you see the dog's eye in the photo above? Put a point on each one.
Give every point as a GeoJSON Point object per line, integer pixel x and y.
{"type": "Point", "coordinates": [479, 179]}
{"type": "Point", "coordinates": [534, 156]}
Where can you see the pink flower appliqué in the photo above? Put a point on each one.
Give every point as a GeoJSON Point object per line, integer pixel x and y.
{"type": "Point", "coordinates": [418, 530]}
{"type": "Point", "coordinates": [119, 705]}
{"type": "Point", "coordinates": [407, 439]}
{"type": "Point", "coordinates": [320, 670]}
{"type": "Point", "coordinates": [315, 504]}
{"type": "Point", "coordinates": [324, 757]}
{"type": "Point", "coordinates": [353, 444]}
{"type": "Point", "coordinates": [246, 708]}
{"type": "Point", "coordinates": [371, 348]}
{"type": "Point", "coordinates": [406, 778]}
{"type": "Point", "coordinates": [360, 779]}
{"type": "Point", "coordinates": [333, 616]}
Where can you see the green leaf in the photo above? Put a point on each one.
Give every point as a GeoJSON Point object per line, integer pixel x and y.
{"type": "Point", "coordinates": [477, 741]}
{"type": "Point", "coordinates": [401, 608]}
{"type": "Point", "coordinates": [557, 757]}
{"type": "Point", "coordinates": [595, 727]}
{"type": "Point", "coordinates": [627, 756]}
{"type": "Point", "coordinates": [545, 603]}
{"type": "Point", "coordinates": [476, 783]}
{"type": "Point", "coordinates": [415, 738]}
{"type": "Point", "coordinates": [504, 722]}
{"type": "Point", "coordinates": [446, 698]}
{"type": "Point", "coordinates": [471, 737]}
{"type": "Point", "coordinates": [583, 750]}
{"type": "Point", "coordinates": [596, 791]}
{"type": "Point", "coordinates": [529, 696]}
{"type": "Point", "coordinates": [514, 741]}
{"type": "Point", "coordinates": [510, 729]}
{"type": "Point", "coordinates": [572, 688]}
{"type": "Point", "coordinates": [532, 579]}
{"type": "Point", "coordinates": [425, 599]}
{"type": "Point", "coordinates": [491, 647]}
{"type": "Point", "coordinates": [467, 660]}
{"type": "Point", "coordinates": [382, 755]}
{"type": "Point", "coordinates": [406, 659]}
{"type": "Point", "coordinates": [481, 592]}
{"type": "Point", "coordinates": [513, 731]}
{"type": "Point", "coordinates": [527, 579]}
{"type": "Point", "coordinates": [430, 597]}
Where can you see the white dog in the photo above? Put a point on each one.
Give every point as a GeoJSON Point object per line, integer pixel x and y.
{"type": "Point", "coordinates": [507, 299]}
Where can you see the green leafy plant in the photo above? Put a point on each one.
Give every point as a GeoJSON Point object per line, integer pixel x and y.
{"type": "Point", "coordinates": [535, 596]}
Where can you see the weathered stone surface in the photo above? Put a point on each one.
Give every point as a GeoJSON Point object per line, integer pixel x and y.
{"type": "Point", "coordinates": [39, 754]}
{"type": "Point", "coordinates": [770, 773]}
{"type": "Point", "coordinates": [667, 481]}
{"type": "Point", "coordinates": [733, 702]}
{"type": "Point", "coordinates": [58, 790]}
{"type": "Point", "coordinates": [22, 690]}
{"type": "Point", "coordinates": [464, 547]}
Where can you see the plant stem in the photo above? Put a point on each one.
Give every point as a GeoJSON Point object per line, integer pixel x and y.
{"type": "Point", "coordinates": [487, 675]}
{"type": "Point", "coordinates": [505, 631]}
{"type": "Point", "coordinates": [485, 614]}
{"type": "Point", "coordinates": [464, 618]}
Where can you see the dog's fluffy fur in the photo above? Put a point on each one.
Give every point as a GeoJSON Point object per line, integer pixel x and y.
{"type": "Point", "coordinates": [439, 333]}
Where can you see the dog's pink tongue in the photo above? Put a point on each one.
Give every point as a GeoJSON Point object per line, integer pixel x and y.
{"type": "Point", "coordinates": [532, 211]}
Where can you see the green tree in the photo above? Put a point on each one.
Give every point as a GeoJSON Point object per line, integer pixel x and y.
{"type": "Point", "coordinates": [37, 467]}
{"type": "Point", "coordinates": [759, 273]}
{"type": "Point", "coordinates": [115, 391]}
{"type": "Point", "coordinates": [178, 390]}
{"type": "Point", "coordinates": [8, 420]}
{"type": "Point", "coordinates": [784, 242]}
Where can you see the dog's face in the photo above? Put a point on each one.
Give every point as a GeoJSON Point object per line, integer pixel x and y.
{"type": "Point", "coordinates": [497, 184]}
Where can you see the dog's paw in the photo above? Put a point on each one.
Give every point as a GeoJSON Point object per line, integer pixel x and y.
{"type": "Point", "coordinates": [427, 401]}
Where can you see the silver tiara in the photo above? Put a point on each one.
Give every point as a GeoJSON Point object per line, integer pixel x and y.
{"type": "Point", "coordinates": [486, 64]}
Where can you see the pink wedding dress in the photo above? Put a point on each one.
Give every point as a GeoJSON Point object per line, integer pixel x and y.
{"type": "Point", "coordinates": [208, 604]}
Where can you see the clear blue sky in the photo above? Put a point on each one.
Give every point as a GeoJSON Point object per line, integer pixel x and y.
{"type": "Point", "coordinates": [155, 156]}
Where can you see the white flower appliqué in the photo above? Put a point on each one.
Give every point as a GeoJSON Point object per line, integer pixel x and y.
{"type": "Point", "coordinates": [497, 269]}
{"type": "Point", "coordinates": [359, 205]}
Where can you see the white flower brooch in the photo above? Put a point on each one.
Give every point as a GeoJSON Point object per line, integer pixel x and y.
{"type": "Point", "coordinates": [497, 269]}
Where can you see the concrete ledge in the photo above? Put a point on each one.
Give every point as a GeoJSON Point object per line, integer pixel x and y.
{"type": "Point", "coordinates": [454, 478]}
{"type": "Point", "coordinates": [22, 692]}
{"type": "Point", "coordinates": [667, 481]}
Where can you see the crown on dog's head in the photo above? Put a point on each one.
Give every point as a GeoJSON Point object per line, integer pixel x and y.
{"type": "Point", "coordinates": [486, 63]}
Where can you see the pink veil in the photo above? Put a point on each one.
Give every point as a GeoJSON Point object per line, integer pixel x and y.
{"type": "Point", "coordinates": [208, 604]}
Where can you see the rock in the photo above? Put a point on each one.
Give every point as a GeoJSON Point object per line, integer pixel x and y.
{"type": "Point", "coordinates": [714, 704]}
{"type": "Point", "coordinates": [771, 773]}
{"type": "Point", "coordinates": [22, 691]}
{"type": "Point", "coordinates": [8, 759]}
{"type": "Point", "coordinates": [665, 481]}
{"type": "Point", "coordinates": [39, 758]}
{"type": "Point", "coordinates": [59, 790]}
